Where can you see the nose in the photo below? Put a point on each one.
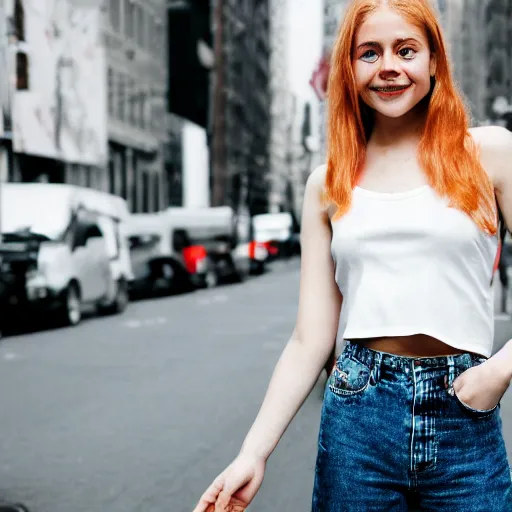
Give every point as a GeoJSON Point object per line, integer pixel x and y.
{"type": "Point", "coordinates": [389, 66]}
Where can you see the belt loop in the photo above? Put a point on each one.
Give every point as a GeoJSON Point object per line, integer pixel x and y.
{"type": "Point", "coordinates": [451, 371]}
{"type": "Point", "coordinates": [375, 373]}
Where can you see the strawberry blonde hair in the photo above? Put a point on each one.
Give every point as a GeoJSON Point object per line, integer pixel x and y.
{"type": "Point", "coordinates": [447, 152]}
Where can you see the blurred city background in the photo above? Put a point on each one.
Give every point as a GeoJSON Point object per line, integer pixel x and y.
{"type": "Point", "coordinates": [153, 157]}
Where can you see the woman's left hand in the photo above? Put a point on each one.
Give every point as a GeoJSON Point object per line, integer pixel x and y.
{"type": "Point", "coordinates": [481, 387]}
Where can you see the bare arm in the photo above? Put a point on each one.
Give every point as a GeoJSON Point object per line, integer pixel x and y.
{"type": "Point", "coordinates": [496, 154]}
{"type": "Point", "coordinates": [315, 330]}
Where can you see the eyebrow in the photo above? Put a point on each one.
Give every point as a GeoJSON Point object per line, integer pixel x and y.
{"type": "Point", "coordinates": [398, 41]}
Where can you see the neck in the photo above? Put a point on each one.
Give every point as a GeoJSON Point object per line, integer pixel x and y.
{"type": "Point", "coordinates": [406, 129]}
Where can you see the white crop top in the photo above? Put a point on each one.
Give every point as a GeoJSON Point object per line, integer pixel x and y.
{"type": "Point", "coordinates": [406, 263]}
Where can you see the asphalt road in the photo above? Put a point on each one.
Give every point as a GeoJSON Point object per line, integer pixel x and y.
{"type": "Point", "coordinates": [139, 412]}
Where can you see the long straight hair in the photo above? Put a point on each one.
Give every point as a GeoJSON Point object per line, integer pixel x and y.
{"type": "Point", "coordinates": [447, 152]}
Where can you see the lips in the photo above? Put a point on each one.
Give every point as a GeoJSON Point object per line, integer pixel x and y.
{"type": "Point", "coordinates": [389, 88]}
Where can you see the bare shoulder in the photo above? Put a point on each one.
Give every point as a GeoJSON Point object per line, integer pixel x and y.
{"type": "Point", "coordinates": [314, 193]}
{"type": "Point", "coordinates": [495, 143]}
{"type": "Point", "coordinates": [491, 137]}
{"type": "Point", "coordinates": [314, 208]}
{"type": "Point", "coordinates": [316, 179]}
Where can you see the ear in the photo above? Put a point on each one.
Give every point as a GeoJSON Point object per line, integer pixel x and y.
{"type": "Point", "coordinates": [433, 64]}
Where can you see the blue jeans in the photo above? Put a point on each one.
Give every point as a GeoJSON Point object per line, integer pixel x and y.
{"type": "Point", "coordinates": [393, 435]}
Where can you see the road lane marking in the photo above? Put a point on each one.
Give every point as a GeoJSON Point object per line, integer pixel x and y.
{"type": "Point", "coordinates": [207, 301]}
{"type": "Point", "coordinates": [135, 324]}
{"type": "Point", "coordinates": [132, 324]}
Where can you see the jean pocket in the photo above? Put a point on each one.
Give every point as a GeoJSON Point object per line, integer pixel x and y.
{"type": "Point", "coordinates": [475, 413]}
{"type": "Point", "coordinates": [349, 377]}
{"type": "Point", "coordinates": [466, 408]}
{"type": "Point", "coordinates": [471, 411]}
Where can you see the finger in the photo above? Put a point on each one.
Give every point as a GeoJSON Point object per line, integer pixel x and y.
{"type": "Point", "coordinates": [225, 496]}
{"type": "Point", "coordinates": [203, 506]}
{"type": "Point", "coordinates": [228, 503]}
{"type": "Point", "coordinates": [209, 497]}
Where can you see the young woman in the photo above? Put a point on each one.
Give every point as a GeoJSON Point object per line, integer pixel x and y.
{"type": "Point", "coordinates": [400, 227]}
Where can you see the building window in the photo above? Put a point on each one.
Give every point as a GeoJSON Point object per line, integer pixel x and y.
{"type": "Point", "coordinates": [139, 25]}
{"type": "Point", "coordinates": [112, 173]}
{"type": "Point", "coordinates": [19, 20]}
{"type": "Point", "coordinates": [156, 191]}
{"type": "Point", "coordinates": [115, 14]}
{"type": "Point", "coordinates": [132, 102]}
{"type": "Point", "coordinates": [111, 87]}
{"type": "Point", "coordinates": [142, 109]}
{"type": "Point", "coordinates": [145, 192]}
{"type": "Point", "coordinates": [22, 81]}
{"type": "Point", "coordinates": [121, 99]}
{"type": "Point", "coordinates": [129, 18]}
{"type": "Point", "coordinates": [148, 30]}
{"type": "Point", "coordinates": [153, 46]}
{"type": "Point", "coordinates": [159, 33]}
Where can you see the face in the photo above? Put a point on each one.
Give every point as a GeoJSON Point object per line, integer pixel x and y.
{"type": "Point", "coordinates": [392, 63]}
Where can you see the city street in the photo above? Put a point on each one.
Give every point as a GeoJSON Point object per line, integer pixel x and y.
{"type": "Point", "coordinates": [139, 412]}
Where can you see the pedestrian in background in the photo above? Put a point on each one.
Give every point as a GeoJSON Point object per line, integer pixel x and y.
{"type": "Point", "coordinates": [399, 237]}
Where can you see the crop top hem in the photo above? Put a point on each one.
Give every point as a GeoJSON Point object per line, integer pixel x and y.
{"type": "Point", "coordinates": [481, 347]}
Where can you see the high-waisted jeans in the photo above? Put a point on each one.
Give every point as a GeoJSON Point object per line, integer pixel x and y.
{"type": "Point", "coordinates": [393, 434]}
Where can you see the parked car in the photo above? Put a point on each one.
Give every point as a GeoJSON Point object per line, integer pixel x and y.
{"type": "Point", "coordinates": [63, 250]}
{"type": "Point", "coordinates": [277, 232]}
{"type": "Point", "coordinates": [258, 255]}
{"type": "Point", "coordinates": [163, 259]}
{"type": "Point", "coordinates": [223, 235]}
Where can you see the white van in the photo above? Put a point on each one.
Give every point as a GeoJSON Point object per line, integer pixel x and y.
{"type": "Point", "coordinates": [63, 249]}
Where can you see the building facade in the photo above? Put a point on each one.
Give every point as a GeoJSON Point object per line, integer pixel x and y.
{"type": "Point", "coordinates": [53, 91]}
{"type": "Point", "coordinates": [239, 131]}
{"type": "Point", "coordinates": [333, 13]}
{"type": "Point", "coordinates": [84, 95]}
{"type": "Point", "coordinates": [190, 66]}
{"type": "Point", "coordinates": [473, 70]}
{"type": "Point", "coordinates": [452, 17]}
{"type": "Point", "coordinates": [497, 16]}
{"type": "Point", "coordinates": [136, 53]}
{"type": "Point", "coordinates": [479, 33]}
{"type": "Point", "coordinates": [281, 108]}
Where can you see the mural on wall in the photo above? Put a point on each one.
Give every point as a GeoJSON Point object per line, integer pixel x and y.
{"type": "Point", "coordinates": [60, 108]}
